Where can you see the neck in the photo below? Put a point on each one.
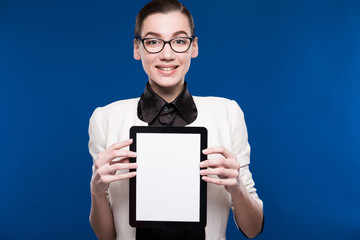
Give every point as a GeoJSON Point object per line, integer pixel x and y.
{"type": "Point", "coordinates": [167, 93]}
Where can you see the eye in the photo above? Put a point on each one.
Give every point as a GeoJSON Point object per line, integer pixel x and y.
{"type": "Point", "coordinates": [180, 41]}
{"type": "Point", "coordinates": [152, 42]}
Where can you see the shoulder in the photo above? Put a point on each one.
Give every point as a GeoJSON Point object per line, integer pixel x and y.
{"type": "Point", "coordinates": [113, 109]}
{"type": "Point", "coordinates": [121, 105]}
{"type": "Point", "coordinates": [213, 100]}
{"type": "Point", "coordinates": [217, 103]}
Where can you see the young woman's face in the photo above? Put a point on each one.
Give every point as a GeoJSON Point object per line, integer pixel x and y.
{"type": "Point", "coordinates": [166, 70]}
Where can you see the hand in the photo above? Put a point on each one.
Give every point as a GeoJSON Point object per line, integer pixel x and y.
{"type": "Point", "coordinates": [225, 167]}
{"type": "Point", "coordinates": [105, 166]}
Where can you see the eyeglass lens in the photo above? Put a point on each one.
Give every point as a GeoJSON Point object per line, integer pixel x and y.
{"type": "Point", "coordinates": [155, 45]}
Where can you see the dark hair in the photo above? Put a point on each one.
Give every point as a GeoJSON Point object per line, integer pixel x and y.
{"type": "Point", "coordinates": [162, 6]}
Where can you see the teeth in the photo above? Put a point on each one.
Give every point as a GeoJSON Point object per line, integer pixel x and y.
{"type": "Point", "coordinates": [167, 68]}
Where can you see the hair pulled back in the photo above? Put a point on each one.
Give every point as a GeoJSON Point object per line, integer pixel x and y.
{"type": "Point", "coordinates": [162, 6]}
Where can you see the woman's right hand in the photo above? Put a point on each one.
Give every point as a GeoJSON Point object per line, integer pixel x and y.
{"type": "Point", "coordinates": [105, 167]}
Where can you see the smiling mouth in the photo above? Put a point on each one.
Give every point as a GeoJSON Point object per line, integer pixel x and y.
{"type": "Point", "coordinates": [167, 68]}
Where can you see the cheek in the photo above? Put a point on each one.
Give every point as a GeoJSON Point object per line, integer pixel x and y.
{"type": "Point", "coordinates": [146, 61]}
{"type": "Point", "coordinates": [186, 60]}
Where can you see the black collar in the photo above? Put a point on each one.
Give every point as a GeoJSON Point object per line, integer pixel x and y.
{"type": "Point", "coordinates": [151, 104]}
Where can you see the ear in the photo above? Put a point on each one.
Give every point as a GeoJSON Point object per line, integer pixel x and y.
{"type": "Point", "coordinates": [137, 55]}
{"type": "Point", "coordinates": [195, 48]}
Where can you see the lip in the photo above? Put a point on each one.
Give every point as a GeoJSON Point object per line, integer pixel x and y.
{"type": "Point", "coordinates": [167, 69]}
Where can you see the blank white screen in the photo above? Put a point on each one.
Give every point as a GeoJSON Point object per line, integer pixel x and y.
{"type": "Point", "coordinates": [168, 177]}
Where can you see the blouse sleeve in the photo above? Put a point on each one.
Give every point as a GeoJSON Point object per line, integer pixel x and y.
{"type": "Point", "coordinates": [241, 148]}
{"type": "Point", "coordinates": [97, 130]}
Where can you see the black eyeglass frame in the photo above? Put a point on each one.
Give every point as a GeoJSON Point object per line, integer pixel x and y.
{"type": "Point", "coordinates": [165, 42]}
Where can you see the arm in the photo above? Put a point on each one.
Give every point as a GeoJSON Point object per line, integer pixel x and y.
{"type": "Point", "coordinates": [248, 213]}
{"type": "Point", "coordinates": [105, 167]}
{"type": "Point", "coordinates": [104, 173]}
{"type": "Point", "coordinates": [232, 168]}
{"type": "Point", "coordinates": [101, 218]}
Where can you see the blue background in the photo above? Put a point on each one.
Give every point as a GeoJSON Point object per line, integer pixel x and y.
{"type": "Point", "coordinates": [293, 66]}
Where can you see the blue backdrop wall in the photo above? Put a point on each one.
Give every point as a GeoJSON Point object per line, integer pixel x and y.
{"type": "Point", "coordinates": [293, 66]}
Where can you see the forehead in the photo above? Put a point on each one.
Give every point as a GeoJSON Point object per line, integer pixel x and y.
{"type": "Point", "coordinates": [166, 24]}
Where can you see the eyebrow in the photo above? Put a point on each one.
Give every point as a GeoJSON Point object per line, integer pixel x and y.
{"type": "Point", "coordinates": [158, 35]}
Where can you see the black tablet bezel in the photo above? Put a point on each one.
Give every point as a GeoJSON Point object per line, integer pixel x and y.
{"type": "Point", "coordinates": [203, 186]}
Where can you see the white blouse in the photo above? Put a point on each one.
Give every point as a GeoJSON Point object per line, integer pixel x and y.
{"type": "Point", "coordinates": [226, 127]}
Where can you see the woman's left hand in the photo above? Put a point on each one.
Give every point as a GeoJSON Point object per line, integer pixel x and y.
{"type": "Point", "coordinates": [225, 167]}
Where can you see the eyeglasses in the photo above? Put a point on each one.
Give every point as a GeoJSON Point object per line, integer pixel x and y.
{"type": "Point", "coordinates": [156, 45]}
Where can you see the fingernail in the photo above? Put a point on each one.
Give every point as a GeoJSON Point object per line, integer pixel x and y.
{"type": "Point", "coordinates": [202, 164]}
{"type": "Point", "coordinates": [133, 154]}
{"type": "Point", "coordinates": [204, 151]}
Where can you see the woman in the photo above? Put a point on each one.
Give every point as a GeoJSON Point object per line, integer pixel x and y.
{"type": "Point", "coordinates": [165, 42]}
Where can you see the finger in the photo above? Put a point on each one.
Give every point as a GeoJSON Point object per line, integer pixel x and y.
{"type": "Point", "coordinates": [121, 144]}
{"type": "Point", "coordinates": [120, 155]}
{"type": "Point", "coordinates": [219, 150]}
{"type": "Point", "coordinates": [112, 178]}
{"type": "Point", "coordinates": [220, 162]}
{"type": "Point", "coordinates": [118, 145]}
{"type": "Point", "coordinates": [219, 181]}
{"type": "Point", "coordinates": [121, 160]}
{"type": "Point", "coordinates": [111, 155]}
{"type": "Point", "coordinates": [214, 162]}
{"type": "Point", "coordinates": [111, 169]}
{"type": "Point", "coordinates": [223, 172]}
{"type": "Point", "coordinates": [104, 155]}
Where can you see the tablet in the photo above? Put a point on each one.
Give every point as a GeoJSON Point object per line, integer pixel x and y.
{"type": "Point", "coordinates": [168, 191]}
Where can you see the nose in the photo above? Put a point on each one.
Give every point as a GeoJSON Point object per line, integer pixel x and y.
{"type": "Point", "coordinates": [167, 53]}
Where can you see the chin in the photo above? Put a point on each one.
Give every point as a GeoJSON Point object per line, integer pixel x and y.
{"type": "Point", "coordinates": [167, 82]}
